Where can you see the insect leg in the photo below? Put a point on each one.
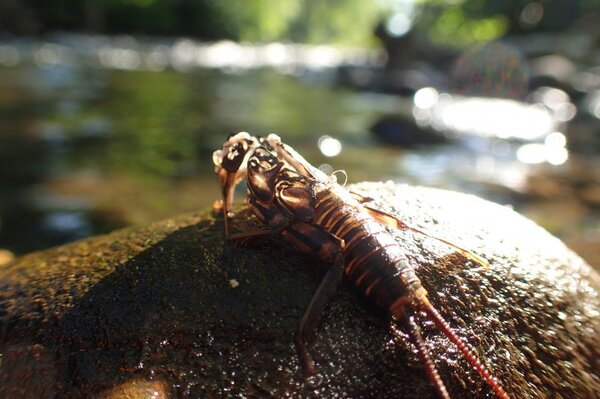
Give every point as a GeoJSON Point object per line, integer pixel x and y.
{"type": "Point", "coordinates": [228, 184]}
{"type": "Point", "coordinates": [414, 333]}
{"type": "Point", "coordinates": [243, 237]}
{"type": "Point", "coordinates": [313, 313]}
{"type": "Point", "coordinates": [394, 222]}
{"type": "Point", "coordinates": [313, 238]}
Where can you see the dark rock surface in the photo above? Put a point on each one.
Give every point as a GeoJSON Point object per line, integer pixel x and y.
{"type": "Point", "coordinates": [158, 309]}
{"type": "Point", "coordinates": [403, 131]}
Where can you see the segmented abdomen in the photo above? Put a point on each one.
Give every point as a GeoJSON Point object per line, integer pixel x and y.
{"type": "Point", "coordinates": [374, 261]}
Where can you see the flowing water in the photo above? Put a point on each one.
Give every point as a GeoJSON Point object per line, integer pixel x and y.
{"type": "Point", "coordinates": [93, 140]}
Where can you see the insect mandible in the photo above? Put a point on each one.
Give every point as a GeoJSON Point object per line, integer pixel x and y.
{"type": "Point", "coordinates": [318, 216]}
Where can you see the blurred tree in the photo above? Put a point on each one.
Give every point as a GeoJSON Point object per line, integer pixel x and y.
{"type": "Point", "coordinates": [315, 21]}
{"type": "Point", "coordinates": [449, 22]}
{"type": "Point", "coordinates": [459, 25]}
{"type": "Point", "coordinates": [305, 21]}
{"type": "Point", "coordinates": [466, 22]}
{"type": "Point", "coordinates": [344, 22]}
{"type": "Point", "coordinates": [204, 19]}
{"type": "Point", "coordinates": [260, 20]}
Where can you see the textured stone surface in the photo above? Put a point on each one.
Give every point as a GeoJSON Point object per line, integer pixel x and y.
{"type": "Point", "coordinates": [154, 308]}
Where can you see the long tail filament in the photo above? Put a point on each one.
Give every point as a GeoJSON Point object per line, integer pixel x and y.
{"type": "Point", "coordinates": [467, 351]}
{"type": "Point", "coordinates": [415, 335]}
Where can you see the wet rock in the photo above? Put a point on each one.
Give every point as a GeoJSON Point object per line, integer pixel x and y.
{"type": "Point", "coordinates": [404, 132]}
{"type": "Point", "coordinates": [5, 256]}
{"type": "Point", "coordinates": [552, 70]}
{"type": "Point", "coordinates": [154, 308]}
{"type": "Point", "coordinates": [138, 388]}
{"type": "Point", "coordinates": [29, 371]}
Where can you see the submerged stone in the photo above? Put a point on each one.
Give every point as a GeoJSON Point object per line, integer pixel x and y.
{"type": "Point", "coordinates": [170, 308]}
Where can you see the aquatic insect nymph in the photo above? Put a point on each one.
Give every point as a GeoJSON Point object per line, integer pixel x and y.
{"type": "Point", "coordinates": [309, 209]}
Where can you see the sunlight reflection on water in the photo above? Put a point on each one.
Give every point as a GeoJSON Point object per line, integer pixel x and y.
{"type": "Point", "coordinates": [130, 53]}
{"type": "Point", "coordinates": [128, 125]}
{"type": "Point", "coordinates": [492, 117]}
{"type": "Point", "coordinates": [536, 123]}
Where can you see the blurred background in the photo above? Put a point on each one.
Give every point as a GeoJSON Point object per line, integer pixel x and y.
{"type": "Point", "coordinates": [110, 109]}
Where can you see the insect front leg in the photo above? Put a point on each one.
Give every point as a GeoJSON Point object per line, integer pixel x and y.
{"type": "Point", "coordinates": [242, 238]}
{"type": "Point", "coordinates": [230, 166]}
{"type": "Point", "coordinates": [314, 239]}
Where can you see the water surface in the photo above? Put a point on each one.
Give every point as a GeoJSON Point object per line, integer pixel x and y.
{"type": "Point", "coordinates": [87, 147]}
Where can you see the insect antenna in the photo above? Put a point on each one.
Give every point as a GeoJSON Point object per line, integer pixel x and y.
{"type": "Point", "coordinates": [394, 222]}
{"type": "Point", "coordinates": [467, 351]}
{"type": "Point", "coordinates": [414, 332]}
{"type": "Point", "coordinates": [467, 254]}
{"type": "Point", "coordinates": [342, 172]}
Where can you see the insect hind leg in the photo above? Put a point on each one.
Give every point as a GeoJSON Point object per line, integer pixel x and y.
{"type": "Point", "coordinates": [314, 239]}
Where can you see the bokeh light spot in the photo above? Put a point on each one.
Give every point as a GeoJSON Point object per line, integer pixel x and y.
{"type": "Point", "coordinates": [329, 146]}
{"type": "Point", "coordinates": [398, 25]}
{"type": "Point", "coordinates": [531, 15]}
{"type": "Point", "coordinates": [425, 97]}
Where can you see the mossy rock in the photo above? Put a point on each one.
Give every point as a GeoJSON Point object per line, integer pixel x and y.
{"type": "Point", "coordinates": [170, 310]}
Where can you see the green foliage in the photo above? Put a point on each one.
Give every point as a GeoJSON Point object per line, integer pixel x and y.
{"type": "Point", "coordinates": [307, 21]}
{"type": "Point", "coordinates": [453, 27]}
{"type": "Point", "coordinates": [260, 20]}
{"type": "Point", "coordinates": [347, 22]}
{"type": "Point", "coordinates": [204, 19]}
{"type": "Point", "coordinates": [458, 23]}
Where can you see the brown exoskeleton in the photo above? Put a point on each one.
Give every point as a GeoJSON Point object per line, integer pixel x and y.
{"type": "Point", "coordinates": [318, 216]}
